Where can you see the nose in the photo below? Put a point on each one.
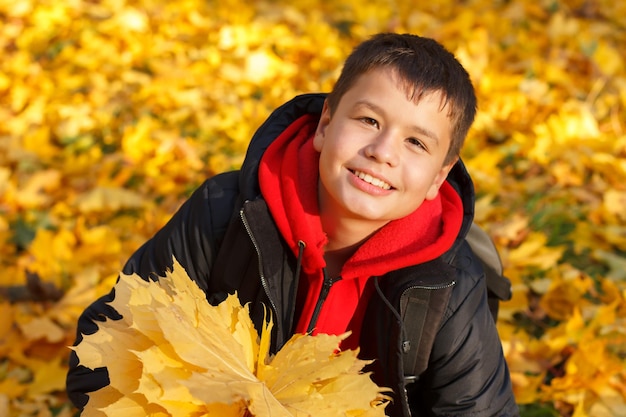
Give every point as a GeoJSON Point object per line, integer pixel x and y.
{"type": "Point", "coordinates": [383, 149]}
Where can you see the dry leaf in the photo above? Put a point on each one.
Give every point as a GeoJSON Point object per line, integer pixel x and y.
{"type": "Point", "coordinates": [175, 355]}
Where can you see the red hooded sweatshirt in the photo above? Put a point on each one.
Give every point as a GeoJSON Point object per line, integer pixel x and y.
{"type": "Point", "coordinates": [288, 177]}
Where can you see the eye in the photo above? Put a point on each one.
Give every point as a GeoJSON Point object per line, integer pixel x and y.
{"type": "Point", "coordinates": [370, 121]}
{"type": "Point", "coordinates": [417, 143]}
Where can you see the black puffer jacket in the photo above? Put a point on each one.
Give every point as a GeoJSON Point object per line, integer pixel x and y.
{"type": "Point", "coordinates": [464, 372]}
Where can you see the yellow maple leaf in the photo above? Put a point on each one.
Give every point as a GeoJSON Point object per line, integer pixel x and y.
{"type": "Point", "coordinates": [108, 198]}
{"type": "Point", "coordinates": [565, 295]}
{"type": "Point", "coordinates": [534, 251]}
{"type": "Point", "coordinates": [174, 354]}
{"type": "Point", "coordinates": [48, 377]}
{"type": "Point", "coordinates": [42, 328]}
{"type": "Point", "coordinates": [12, 388]}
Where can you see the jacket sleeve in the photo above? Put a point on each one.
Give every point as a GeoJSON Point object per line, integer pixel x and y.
{"type": "Point", "coordinates": [191, 236]}
{"type": "Point", "coordinates": [467, 373]}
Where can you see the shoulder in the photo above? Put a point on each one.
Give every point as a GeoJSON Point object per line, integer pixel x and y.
{"type": "Point", "coordinates": [217, 192]}
{"type": "Point", "coordinates": [219, 195]}
{"type": "Point", "coordinates": [221, 185]}
{"type": "Point", "coordinates": [470, 289]}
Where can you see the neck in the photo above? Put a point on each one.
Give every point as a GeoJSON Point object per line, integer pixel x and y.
{"type": "Point", "coordinates": [345, 236]}
{"type": "Point", "coordinates": [342, 229]}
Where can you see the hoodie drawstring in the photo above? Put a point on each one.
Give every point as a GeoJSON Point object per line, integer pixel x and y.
{"type": "Point", "coordinates": [294, 289]}
{"type": "Point", "coordinates": [301, 246]}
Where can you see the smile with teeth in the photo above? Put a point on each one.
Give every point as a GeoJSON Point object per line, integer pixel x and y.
{"type": "Point", "coordinates": [371, 180]}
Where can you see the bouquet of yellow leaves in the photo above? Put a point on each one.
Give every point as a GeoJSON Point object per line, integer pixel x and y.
{"type": "Point", "coordinates": [174, 354]}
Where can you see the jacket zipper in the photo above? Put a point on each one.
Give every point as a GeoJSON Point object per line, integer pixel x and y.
{"type": "Point", "coordinates": [430, 287]}
{"type": "Point", "coordinates": [326, 285]}
{"type": "Point", "coordinates": [406, 347]}
{"type": "Point", "coordinates": [264, 283]}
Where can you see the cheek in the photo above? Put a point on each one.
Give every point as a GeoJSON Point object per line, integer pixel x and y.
{"type": "Point", "coordinates": [419, 185]}
{"type": "Point", "coordinates": [433, 186]}
{"type": "Point", "coordinates": [331, 150]}
{"type": "Point", "coordinates": [432, 192]}
{"type": "Point", "coordinates": [325, 165]}
{"type": "Point", "coordinates": [318, 141]}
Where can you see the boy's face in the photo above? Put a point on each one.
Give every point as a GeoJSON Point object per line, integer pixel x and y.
{"type": "Point", "coordinates": [381, 155]}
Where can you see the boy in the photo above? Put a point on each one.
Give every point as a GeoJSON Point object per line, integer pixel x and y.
{"type": "Point", "coordinates": [344, 206]}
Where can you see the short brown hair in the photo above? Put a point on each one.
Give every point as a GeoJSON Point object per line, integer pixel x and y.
{"type": "Point", "coordinates": [424, 66]}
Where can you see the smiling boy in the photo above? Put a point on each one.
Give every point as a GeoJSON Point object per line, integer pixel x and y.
{"type": "Point", "coordinates": [344, 207]}
{"type": "Point", "coordinates": [381, 156]}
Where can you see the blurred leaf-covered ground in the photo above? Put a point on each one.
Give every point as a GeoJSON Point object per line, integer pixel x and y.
{"type": "Point", "coordinates": [112, 111]}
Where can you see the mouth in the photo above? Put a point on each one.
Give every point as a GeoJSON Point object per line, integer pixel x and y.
{"type": "Point", "coordinates": [377, 182]}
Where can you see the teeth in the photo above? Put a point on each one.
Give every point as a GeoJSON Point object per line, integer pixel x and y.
{"type": "Point", "coordinates": [371, 180]}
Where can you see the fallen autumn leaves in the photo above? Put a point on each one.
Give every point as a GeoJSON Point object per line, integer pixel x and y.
{"type": "Point", "coordinates": [111, 112]}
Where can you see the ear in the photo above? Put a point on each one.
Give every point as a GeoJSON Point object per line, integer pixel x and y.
{"type": "Point", "coordinates": [439, 179]}
{"type": "Point", "coordinates": [322, 125]}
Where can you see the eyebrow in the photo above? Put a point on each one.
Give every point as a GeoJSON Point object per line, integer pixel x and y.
{"type": "Point", "coordinates": [418, 129]}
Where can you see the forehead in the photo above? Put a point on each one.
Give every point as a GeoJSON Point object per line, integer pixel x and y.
{"type": "Point", "coordinates": [384, 86]}
{"type": "Point", "coordinates": [413, 91]}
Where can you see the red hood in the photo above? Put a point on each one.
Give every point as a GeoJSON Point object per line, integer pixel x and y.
{"type": "Point", "coordinates": [288, 177]}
